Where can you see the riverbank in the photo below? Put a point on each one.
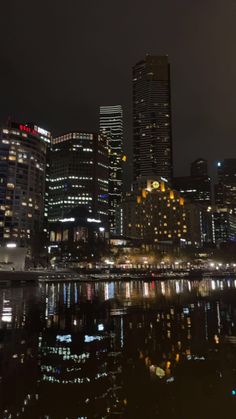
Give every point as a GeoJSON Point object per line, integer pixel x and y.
{"type": "Point", "coordinates": [21, 277]}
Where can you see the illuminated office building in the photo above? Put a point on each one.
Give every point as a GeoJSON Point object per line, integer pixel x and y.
{"type": "Point", "coordinates": [152, 153]}
{"type": "Point", "coordinates": [79, 175]}
{"type": "Point", "coordinates": [23, 155]}
{"type": "Point", "coordinates": [111, 126]}
{"type": "Point", "coordinates": [225, 225]}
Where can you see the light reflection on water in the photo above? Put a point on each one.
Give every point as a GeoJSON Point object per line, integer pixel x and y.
{"type": "Point", "coordinates": [129, 349]}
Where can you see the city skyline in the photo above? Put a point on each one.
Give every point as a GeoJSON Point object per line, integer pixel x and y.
{"type": "Point", "coordinates": [117, 209]}
{"type": "Point", "coordinates": [62, 98]}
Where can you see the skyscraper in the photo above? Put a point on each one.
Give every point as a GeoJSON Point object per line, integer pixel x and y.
{"type": "Point", "coordinates": [152, 118]}
{"type": "Point", "coordinates": [111, 125]}
{"type": "Point", "coordinates": [23, 150]}
{"type": "Point", "coordinates": [79, 175]}
{"type": "Point", "coordinates": [225, 190]}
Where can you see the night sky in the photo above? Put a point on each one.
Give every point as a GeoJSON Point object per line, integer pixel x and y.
{"type": "Point", "coordinates": [61, 59]}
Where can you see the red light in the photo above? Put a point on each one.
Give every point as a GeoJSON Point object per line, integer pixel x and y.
{"type": "Point", "coordinates": [27, 129]}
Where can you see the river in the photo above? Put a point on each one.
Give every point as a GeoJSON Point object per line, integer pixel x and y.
{"type": "Point", "coordinates": [130, 349]}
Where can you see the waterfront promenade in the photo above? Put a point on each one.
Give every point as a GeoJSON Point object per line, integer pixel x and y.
{"type": "Point", "coordinates": [92, 275]}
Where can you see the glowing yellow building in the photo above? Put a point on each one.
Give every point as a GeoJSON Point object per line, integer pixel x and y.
{"type": "Point", "coordinates": [155, 213]}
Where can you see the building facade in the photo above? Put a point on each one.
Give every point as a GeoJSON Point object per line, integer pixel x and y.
{"type": "Point", "coordinates": [225, 225]}
{"type": "Point", "coordinates": [200, 222]}
{"type": "Point", "coordinates": [157, 214]}
{"type": "Point", "coordinates": [79, 175]}
{"type": "Point", "coordinates": [196, 188]}
{"type": "Point", "coordinates": [77, 237]}
{"type": "Point", "coordinates": [23, 150]}
{"type": "Point", "coordinates": [152, 135]}
{"type": "Point", "coordinates": [154, 213]}
{"type": "Point", "coordinates": [225, 190]}
{"type": "Point", "coordinates": [111, 126]}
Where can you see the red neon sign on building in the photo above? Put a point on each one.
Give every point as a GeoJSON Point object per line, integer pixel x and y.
{"type": "Point", "coordinates": [27, 129]}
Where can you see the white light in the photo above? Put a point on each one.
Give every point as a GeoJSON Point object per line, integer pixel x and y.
{"type": "Point", "coordinates": [42, 131]}
{"type": "Point", "coordinates": [109, 262]}
{"type": "Point", "coordinates": [64, 338]}
{"type": "Point", "coordinates": [67, 220]}
{"type": "Point", "coordinates": [101, 229]}
{"type": "Point", "coordinates": [7, 318]}
{"type": "Point", "coordinates": [93, 220]}
{"type": "Point", "coordinates": [100, 327]}
{"type": "Point", "coordinates": [11, 245]}
{"type": "Point", "coordinates": [88, 339]}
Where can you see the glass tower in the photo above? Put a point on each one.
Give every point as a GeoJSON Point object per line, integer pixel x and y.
{"type": "Point", "coordinates": [111, 126]}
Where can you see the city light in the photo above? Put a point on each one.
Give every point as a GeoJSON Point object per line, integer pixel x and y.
{"type": "Point", "coordinates": [93, 220]}
{"type": "Point", "coordinates": [11, 245]}
{"type": "Point", "coordinates": [64, 338]}
{"type": "Point", "coordinates": [100, 327]}
{"type": "Point", "coordinates": [109, 262]}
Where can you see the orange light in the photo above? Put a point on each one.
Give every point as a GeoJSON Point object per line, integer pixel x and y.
{"type": "Point", "coordinates": [181, 201]}
{"type": "Point", "coordinates": [163, 187]}
{"type": "Point", "coordinates": [139, 199]}
{"type": "Point", "coordinates": [144, 193]}
{"type": "Point", "coordinates": [172, 195]}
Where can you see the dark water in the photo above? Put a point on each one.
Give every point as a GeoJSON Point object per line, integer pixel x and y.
{"type": "Point", "coordinates": [119, 350]}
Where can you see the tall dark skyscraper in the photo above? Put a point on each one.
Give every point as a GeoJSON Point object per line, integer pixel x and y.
{"type": "Point", "coordinates": [152, 118]}
{"type": "Point", "coordinates": [225, 190]}
{"type": "Point", "coordinates": [111, 126]}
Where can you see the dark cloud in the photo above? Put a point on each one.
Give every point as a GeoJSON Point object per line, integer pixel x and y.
{"type": "Point", "coordinates": [60, 60]}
